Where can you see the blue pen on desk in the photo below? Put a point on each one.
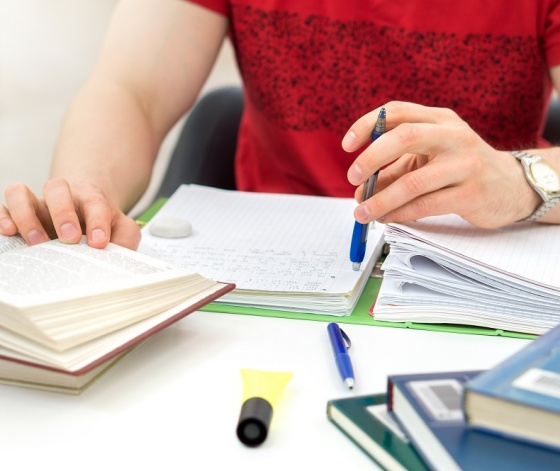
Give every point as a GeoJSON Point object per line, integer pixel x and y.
{"type": "Point", "coordinates": [340, 343]}
{"type": "Point", "coordinates": [360, 234]}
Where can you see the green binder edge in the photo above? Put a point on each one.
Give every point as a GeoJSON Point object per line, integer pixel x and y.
{"type": "Point", "coordinates": [360, 314]}
{"type": "Point", "coordinates": [145, 217]}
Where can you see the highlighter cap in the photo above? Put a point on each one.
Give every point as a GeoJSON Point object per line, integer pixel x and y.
{"type": "Point", "coordinates": [254, 420]}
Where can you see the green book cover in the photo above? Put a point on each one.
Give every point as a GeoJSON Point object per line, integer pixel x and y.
{"type": "Point", "coordinates": [365, 420]}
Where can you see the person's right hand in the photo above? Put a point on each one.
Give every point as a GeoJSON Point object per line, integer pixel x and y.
{"type": "Point", "coordinates": [65, 212]}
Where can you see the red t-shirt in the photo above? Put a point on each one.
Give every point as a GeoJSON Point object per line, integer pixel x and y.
{"type": "Point", "coordinates": [310, 68]}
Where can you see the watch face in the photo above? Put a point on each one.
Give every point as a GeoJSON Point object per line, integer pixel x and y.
{"type": "Point", "coordinates": [545, 176]}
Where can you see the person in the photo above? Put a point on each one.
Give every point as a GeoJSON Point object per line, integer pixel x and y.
{"type": "Point", "coordinates": [463, 83]}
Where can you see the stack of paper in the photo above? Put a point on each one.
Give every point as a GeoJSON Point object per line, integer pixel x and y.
{"type": "Point", "coordinates": [444, 270]}
{"type": "Point", "coordinates": [283, 252]}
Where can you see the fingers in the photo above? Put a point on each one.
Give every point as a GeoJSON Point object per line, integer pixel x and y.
{"type": "Point", "coordinates": [416, 138]}
{"type": "Point", "coordinates": [389, 174]}
{"type": "Point", "coordinates": [66, 212]}
{"type": "Point", "coordinates": [398, 112]}
{"type": "Point", "coordinates": [97, 214]}
{"type": "Point", "coordinates": [126, 232]}
{"type": "Point", "coordinates": [360, 132]}
{"type": "Point", "coordinates": [412, 128]}
{"type": "Point", "coordinates": [23, 214]}
{"type": "Point", "coordinates": [105, 222]}
{"type": "Point", "coordinates": [438, 165]}
{"type": "Point", "coordinates": [7, 225]}
{"type": "Point", "coordinates": [444, 201]}
{"type": "Point", "coordinates": [414, 192]}
{"type": "Point", "coordinates": [60, 202]}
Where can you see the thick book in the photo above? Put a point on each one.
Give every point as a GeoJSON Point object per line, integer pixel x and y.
{"type": "Point", "coordinates": [428, 406]}
{"type": "Point", "coordinates": [15, 373]}
{"type": "Point", "coordinates": [70, 309]}
{"type": "Point", "coordinates": [442, 269]}
{"type": "Point", "coordinates": [520, 397]}
{"type": "Point", "coordinates": [283, 252]}
{"type": "Point", "coordinates": [366, 421]}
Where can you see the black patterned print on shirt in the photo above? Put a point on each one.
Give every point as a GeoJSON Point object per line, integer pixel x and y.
{"type": "Point", "coordinates": [311, 73]}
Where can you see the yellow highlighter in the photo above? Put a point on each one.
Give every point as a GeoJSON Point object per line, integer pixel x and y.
{"type": "Point", "coordinates": [261, 392]}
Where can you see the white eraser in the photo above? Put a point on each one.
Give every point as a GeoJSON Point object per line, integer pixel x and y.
{"type": "Point", "coordinates": [170, 228]}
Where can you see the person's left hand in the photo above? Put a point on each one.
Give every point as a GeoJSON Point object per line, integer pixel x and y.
{"type": "Point", "coordinates": [438, 165]}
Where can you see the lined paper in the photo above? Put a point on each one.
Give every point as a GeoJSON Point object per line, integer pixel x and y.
{"type": "Point", "coordinates": [444, 270]}
{"type": "Point", "coordinates": [525, 251]}
{"type": "Point", "coordinates": [269, 244]}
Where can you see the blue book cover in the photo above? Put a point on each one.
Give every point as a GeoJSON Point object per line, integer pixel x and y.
{"type": "Point", "coordinates": [520, 396]}
{"type": "Point", "coordinates": [429, 408]}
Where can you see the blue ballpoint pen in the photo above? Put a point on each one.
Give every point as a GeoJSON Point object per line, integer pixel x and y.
{"type": "Point", "coordinates": [340, 344]}
{"type": "Point", "coordinates": [360, 234]}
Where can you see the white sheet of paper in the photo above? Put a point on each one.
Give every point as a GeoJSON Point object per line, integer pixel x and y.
{"type": "Point", "coordinates": [266, 243]}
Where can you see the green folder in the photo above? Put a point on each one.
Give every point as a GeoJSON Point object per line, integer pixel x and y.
{"type": "Point", "coordinates": [360, 314]}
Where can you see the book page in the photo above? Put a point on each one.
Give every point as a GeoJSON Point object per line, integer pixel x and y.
{"type": "Point", "coordinates": [264, 242]}
{"type": "Point", "coordinates": [8, 243]}
{"type": "Point", "coordinates": [61, 295]}
{"type": "Point", "coordinates": [53, 270]}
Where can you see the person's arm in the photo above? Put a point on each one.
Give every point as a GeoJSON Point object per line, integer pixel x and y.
{"type": "Point", "coordinates": [439, 165]}
{"type": "Point", "coordinates": [552, 156]}
{"type": "Point", "coordinates": [150, 70]}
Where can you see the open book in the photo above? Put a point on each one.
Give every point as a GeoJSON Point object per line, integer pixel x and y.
{"type": "Point", "coordinates": [283, 252]}
{"type": "Point", "coordinates": [444, 270]}
{"type": "Point", "coordinates": [72, 309]}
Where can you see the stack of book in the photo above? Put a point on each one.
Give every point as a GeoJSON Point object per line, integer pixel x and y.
{"type": "Point", "coordinates": [507, 417]}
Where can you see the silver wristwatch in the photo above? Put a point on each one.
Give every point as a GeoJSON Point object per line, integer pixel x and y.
{"type": "Point", "coordinates": [543, 179]}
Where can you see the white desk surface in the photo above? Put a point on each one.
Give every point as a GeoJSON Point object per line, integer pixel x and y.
{"type": "Point", "coordinates": [174, 404]}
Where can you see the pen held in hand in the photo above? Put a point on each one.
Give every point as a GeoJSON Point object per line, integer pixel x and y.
{"type": "Point", "coordinates": [360, 233]}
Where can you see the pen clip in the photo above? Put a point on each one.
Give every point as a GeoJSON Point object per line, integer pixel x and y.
{"type": "Point", "coordinates": [347, 341]}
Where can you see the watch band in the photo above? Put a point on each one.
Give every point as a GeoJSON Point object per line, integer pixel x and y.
{"type": "Point", "coordinates": [548, 204]}
{"type": "Point", "coordinates": [541, 211]}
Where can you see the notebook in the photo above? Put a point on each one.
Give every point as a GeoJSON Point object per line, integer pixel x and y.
{"type": "Point", "coordinates": [444, 270]}
{"type": "Point", "coordinates": [283, 252]}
